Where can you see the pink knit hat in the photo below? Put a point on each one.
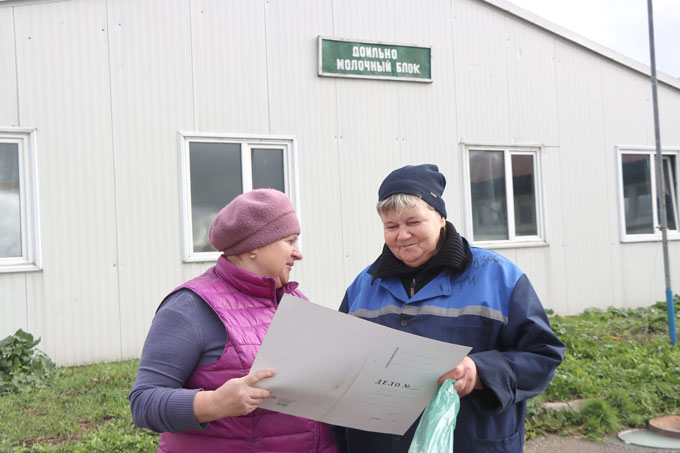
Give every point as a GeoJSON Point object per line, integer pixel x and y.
{"type": "Point", "coordinates": [252, 220]}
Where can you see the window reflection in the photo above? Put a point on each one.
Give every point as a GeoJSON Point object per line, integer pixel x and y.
{"type": "Point", "coordinates": [215, 181]}
{"type": "Point", "coordinates": [10, 201]}
{"type": "Point", "coordinates": [524, 195]}
{"type": "Point", "coordinates": [268, 169]}
{"type": "Point", "coordinates": [670, 192]}
{"type": "Point", "coordinates": [489, 205]}
{"type": "Point", "coordinates": [637, 193]}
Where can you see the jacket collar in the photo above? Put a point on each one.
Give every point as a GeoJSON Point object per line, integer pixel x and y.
{"type": "Point", "coordinates": [250, 283]}
{"type": "Point", "coordinates": [454, 255]}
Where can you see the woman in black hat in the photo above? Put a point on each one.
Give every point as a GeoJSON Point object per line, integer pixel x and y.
{"type": "Point", "coordinates": [429, 281]}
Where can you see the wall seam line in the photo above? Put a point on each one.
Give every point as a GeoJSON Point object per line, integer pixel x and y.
{"type": "Point", "coordinates": [115, 190]}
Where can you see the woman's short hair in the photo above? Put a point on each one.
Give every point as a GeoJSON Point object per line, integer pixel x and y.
{"type": "Point", "coordinates": [399, 202]}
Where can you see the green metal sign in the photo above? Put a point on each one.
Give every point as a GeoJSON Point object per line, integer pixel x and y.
{"type": "Point", "coordinates": [374, 60]}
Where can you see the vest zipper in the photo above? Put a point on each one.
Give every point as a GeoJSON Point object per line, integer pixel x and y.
{"type": "Point", "coordinates": [413, 287]}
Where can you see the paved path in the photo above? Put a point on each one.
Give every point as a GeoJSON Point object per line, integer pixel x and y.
{"type": "Point", "coordinates": [559, 444]}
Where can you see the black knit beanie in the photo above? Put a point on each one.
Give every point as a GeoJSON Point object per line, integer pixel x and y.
{"type": "Point", "coordinates": [424, 181]}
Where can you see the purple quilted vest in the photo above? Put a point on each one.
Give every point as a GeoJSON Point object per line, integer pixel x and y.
{"type": "Point", "coordinates": [246, 304]}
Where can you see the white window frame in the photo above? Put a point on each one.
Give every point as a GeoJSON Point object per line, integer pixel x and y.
{"type": "Point", "coordinates": [651, 152]}
{"type": "Point", "coordinates": [30, 260]}
{"type": "Point", "coordinates": [247, 143]}
{"type": "Point", "coordinates": [513, 240]}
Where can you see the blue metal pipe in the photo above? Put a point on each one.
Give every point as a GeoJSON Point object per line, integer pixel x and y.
{"type": "Point", "coordinates": [660, 181]}
{"type": "Point", "coordinates": [670, 308]}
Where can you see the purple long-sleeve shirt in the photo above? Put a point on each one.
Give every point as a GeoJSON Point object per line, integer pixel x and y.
{"type": "Point", "coordinates": [185, 333]}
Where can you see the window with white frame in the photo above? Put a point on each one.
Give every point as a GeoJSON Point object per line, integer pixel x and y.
{"type": "Point", "coordinates": [19, 245]}
{"type": "Point", "coordinates": [504, 196]}
{"type": "Point", "coordinates": [640, 210]}
{"type": "Point", "coordinates": [215, 168]}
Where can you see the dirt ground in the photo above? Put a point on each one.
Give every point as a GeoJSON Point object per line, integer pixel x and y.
{"type": "Point", "coordinates": [557, 444]}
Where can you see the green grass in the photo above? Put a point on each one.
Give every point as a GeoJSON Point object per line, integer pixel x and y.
{"type": "Point", "coordinates": [619, 360]}
{"type": "Point", "coordinates": [81, 409]}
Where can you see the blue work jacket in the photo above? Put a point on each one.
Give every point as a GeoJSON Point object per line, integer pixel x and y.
{"type": "Point", "coordinates": [493, 308]}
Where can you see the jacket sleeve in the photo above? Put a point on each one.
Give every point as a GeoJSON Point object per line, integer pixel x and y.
{"type": "Point", "coordinates": [526, 357]}
{"type": "Point", "coordinates": [344, 305]}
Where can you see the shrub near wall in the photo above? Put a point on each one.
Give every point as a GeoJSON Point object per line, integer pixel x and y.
{"type": "Point", "coordinates": [21, 364]}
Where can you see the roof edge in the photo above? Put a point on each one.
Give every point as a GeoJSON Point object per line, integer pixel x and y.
{"type": "Point", "coordinates": [582, 41]}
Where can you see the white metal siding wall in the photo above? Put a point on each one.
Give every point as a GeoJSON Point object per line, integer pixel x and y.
{"type": "Point", "coordinates": [304, 104]}
{"type": "Point", "coordinates": [628, 120]}
{"type": "Point", "coordinates": [580, 106]}
{"type": "Point", "coordinates": [152, 98]}
{"type": "Point", "coordinates": [8, 93]}
{"type": "Point", "coordinates": [481, 72]}
{"type": "Point", "coordinates": [230, 66]}
{"type": "Point", "coordinates": [108, 83]}
{"type": "Point", "coordinates": [64, 91]}
{"type": "Point", "coordinates": [386, 125]}
{"type": "Point", "coordinates": [583, 167]}
{"type": "Point", "coordinates": [428, 117]}
{"type": "Point", "coordinates": [13, 303]}
{"type": "Point", "coordinates": [533, 89]}
{"type": "Point", "coordinates": [368, 133]}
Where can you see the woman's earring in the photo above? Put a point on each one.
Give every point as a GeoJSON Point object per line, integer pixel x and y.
{"type": "Point", "coordinates": [253, 256]}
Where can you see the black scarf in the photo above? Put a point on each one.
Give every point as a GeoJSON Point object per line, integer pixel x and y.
{"type": "Point", "coordinates": [454, 254]}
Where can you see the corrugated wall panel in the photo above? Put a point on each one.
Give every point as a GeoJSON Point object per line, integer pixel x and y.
{"type": "Point", "coordinates": [669, 115]}
{"type": "Point", "coordinates": [556, 270]}
{"type": "Point", "coordinates": [36, 311]}
{"type": "Point", "coordinates": [368, 129]}
{"type": "Point", "coordinates": [14, 297]}
{"type": "Point", "coordinates": [360, 20]}
{"type": "Point", "coordinates": [8, 87]}
{"type": "Point", "coordinates": [64, 91]}
{"type": "Point", "coordinates": [481, 73]}
{"type": "Point", "coordinates": [151, 80]}
{"type": "Point", "coordinates": [427, 111]}
{"type": "Point", "coordinates": [14, 303]}
{"type": "Point", "coordinates": [304, 105]}
{"type": "Point", "coordinates": [628, 121]}
{"type": "Point", "coordinates": [584, 177]}
{"type": "Point", "coordinates": [641, 268]}
{"type": "Point", "coordinates": [532, 88]}
{"type": "Point", "coordinates": [229, 61]}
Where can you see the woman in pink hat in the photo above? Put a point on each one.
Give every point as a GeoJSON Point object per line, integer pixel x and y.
{"type": "Point", "coordinates": [194, 383]}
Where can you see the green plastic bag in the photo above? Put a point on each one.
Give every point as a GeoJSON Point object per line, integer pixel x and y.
{"type": "Point", "coordinates": [435, 430]}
